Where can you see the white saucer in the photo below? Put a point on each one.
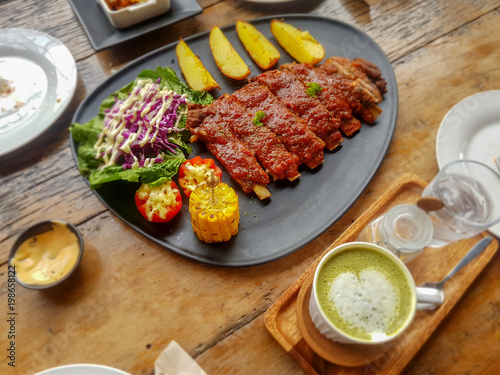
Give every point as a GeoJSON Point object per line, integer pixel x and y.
{"type": "Point", "coordinates": [81, 369]}
{"type": "Point", "coordinates": [37, 82]}
{"type": "Point", "coordinates": [471, 130]}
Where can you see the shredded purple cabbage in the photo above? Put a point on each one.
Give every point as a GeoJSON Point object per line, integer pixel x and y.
{"type": "Point", "coordinates": [137, 117]}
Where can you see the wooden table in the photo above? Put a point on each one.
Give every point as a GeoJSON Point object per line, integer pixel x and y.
{"type": "Point", "coordinates": [131, 297]}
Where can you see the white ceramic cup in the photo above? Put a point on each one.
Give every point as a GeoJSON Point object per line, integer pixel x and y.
{"type": "Point", "coordinates": [330, 330]}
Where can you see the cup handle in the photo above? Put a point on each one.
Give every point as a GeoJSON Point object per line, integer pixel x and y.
{"type": "Point", "coordinates": [428, 298]}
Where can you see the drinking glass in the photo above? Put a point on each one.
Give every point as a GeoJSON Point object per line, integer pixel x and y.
{"type": "Point", "coordinates": [470, 192]}
{"type": "Point", "coordinates": [404, 230]}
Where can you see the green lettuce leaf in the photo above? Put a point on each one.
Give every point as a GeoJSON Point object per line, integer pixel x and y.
{"type": "Point", "coordinates": [155, 175]}
{"type": "Point", "coordinates": [169, 78]}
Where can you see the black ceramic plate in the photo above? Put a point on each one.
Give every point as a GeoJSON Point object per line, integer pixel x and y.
{"type": "Point", "coordinates": [103, 34]}
{"type": "Point", "coordinates": [297, 212]}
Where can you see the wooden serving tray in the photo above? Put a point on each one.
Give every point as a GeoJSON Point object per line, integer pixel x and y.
{"type": "Point", "coordinates": [288, 322]}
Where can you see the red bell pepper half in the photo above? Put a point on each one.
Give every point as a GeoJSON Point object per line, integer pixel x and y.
{"type": "Point", "coordinates": [195, 172]}
{"type": "Point", "coordinates": [159, 204]}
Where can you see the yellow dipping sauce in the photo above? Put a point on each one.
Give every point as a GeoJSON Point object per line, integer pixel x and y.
{"type": "Point", "coordinates": [47, 257]}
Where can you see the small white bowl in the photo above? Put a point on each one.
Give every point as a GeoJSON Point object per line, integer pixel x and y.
{"type": "Point", "coordinates": [135, 13]}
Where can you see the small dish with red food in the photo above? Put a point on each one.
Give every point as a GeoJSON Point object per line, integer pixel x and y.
{"type": "Point", "coordinates": [125, 13]}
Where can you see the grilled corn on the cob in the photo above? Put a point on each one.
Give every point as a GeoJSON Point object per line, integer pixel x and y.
{"type": "Point", "coordinates": [214, 221]}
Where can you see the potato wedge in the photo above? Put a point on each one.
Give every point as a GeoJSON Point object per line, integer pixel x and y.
{"type": "Point", "coordinates": [197, 77]}
{"type": "Point", "coordinates": [226, 57]}
{"type": "Point", "coordinates": [260, 49]}
{"type": "Point", "coordinates": [299, 44]}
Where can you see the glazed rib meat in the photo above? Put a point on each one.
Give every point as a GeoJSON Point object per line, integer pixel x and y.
{"type": "Point", "coordinates": [367, 72]}
{"type": "Point", "coordinates": [327, 96]}
{"type": "Point", "coordinates": [204, 123]}
{"type": "Point", "coordinates": [292, 93]}
{"type": "Point", "coordinates": [274, 123]}
{"type": "Point", "coordinates": [290, 129]}
{"type": "Point", "coordinates": [269, 151]}
{"type": "Point", "coordinates": [361, 96]}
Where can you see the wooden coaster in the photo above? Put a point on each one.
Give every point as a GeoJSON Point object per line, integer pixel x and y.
{"type": "Point", "coordinates": [348, 355]}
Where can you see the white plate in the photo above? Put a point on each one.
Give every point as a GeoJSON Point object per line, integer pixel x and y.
{"type": "Point", "coordinates": [37, 82]}
{"type": "Point", "coordinates": [471, 130]}
{"type": "Point", "coordinates": [82, 370]}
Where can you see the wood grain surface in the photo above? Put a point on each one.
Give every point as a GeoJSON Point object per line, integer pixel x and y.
{"type": "Point", "coordinates": [130, 297]}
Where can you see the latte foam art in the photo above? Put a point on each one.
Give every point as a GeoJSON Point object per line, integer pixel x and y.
{"type": "Point", "coordinates": [369, 302]}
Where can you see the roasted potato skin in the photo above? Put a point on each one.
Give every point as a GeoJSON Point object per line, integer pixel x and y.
{"type": "Point", "coordinates": [227, 59]}
{"type": "Point", "coordinates": [260, 49]}
{"type": "Point", "coordinates": [197, 77]}
{"type": "Point", "coordinates": [299, 44]}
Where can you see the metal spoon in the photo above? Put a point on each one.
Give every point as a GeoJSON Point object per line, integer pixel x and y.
{"type": "Point", "coordinates": [430, 294]}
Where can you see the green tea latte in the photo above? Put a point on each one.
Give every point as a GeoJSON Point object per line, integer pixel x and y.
{"type": "Point", "coordinates": [364, 294]}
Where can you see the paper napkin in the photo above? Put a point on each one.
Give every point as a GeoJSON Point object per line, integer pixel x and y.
{"type": "Point", "coordinates": [175, 361]}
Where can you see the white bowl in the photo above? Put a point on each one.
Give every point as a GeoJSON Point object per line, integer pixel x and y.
{"type": "Point", "coordinates": [323, 323]}
{"type": "Point", "coordinates": [135, 13]}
